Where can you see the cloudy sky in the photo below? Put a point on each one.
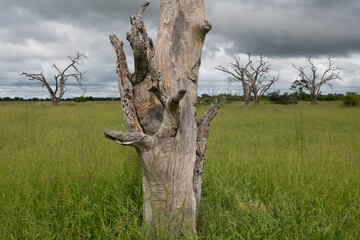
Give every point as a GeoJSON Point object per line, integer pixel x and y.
{"type": "Point", "coordinates": [34, 34]}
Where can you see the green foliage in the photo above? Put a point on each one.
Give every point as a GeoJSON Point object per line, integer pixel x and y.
{"type": "Point", "coordinates": [205, 99]}
{"type": "Point", "coordinates": [285, 99]}
{"type": "Point", "coordinates": [330, 97]}
{"type": "Point", "coordinates": [301, 96]}
{"type": "Point", "coordinates": [11, 99]}
{"type": "Point", "coordinates": [224, 99]}
{"type": "Point", "coordinates": [80, 99]}
{"type": "Point", "coordinates": [351, 99]}
{"type": "Point", "coordinates": [299, 85]}
{"type": "Point", "coordinates": [270, 173]}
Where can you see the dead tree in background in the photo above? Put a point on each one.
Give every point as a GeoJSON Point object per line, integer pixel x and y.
{"type": "Point", "coordinates": [260, 77]}
{"type": "Point", "coordinates": [71, 71]}
{"type": "Point", "coordinates": [254, 77]}
{"type": "Point", "coordinates": [159, 106]}
{"type": "Point", "coordinates": [308, 78]}
{"type": "Point", "coordinates": [239, 74]}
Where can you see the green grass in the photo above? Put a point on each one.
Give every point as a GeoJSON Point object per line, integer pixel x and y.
{"type": "Point", "coordinates": [272, 172]}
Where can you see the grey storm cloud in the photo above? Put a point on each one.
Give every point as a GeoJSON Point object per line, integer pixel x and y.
{"type": "Point", "coordinates": [291, 27]}
{"type": "Point", "coordinates": [35, 34]}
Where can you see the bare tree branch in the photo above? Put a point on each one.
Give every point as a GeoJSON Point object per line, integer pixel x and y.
{"type": "Point", "coordinates": [126, 95]}
{"type": "Point", "coordinates": [139, 42]}
{"type": "Point", "coordinates": [202, 134]}
{"type": "Point", "coordinates": [127, 139]}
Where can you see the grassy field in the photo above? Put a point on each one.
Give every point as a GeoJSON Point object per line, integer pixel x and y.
{"type": "Point", "coordinates": [272, 172]}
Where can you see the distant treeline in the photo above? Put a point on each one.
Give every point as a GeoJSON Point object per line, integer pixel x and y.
{"type": "Point", "coordinates": [76, 99]}
{"type": "Point", "coordinates": [274, 96]}
{"type": "Point", "coordinates": [203, 99]}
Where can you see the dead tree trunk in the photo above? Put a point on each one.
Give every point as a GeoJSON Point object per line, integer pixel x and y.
{"type": "Point", "coordinates": [313, 97]}
{"type": "Point", "coordinates": [247, 92]}
{"type": "Point", "coordinates": [159, 108]}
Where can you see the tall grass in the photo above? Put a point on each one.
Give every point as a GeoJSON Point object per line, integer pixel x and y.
{"type": "Point", "coordinates": [271, 173]}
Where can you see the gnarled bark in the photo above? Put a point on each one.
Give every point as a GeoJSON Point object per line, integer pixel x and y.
{"type": "Point", "coordinates": [159, 108]}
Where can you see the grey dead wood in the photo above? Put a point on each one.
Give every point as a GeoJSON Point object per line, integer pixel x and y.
{"type": "Point", "coordinates": [159, 106]}
{"type": "Point", "coordinates": [70, 71]}
{"type": "Point", "coordinates": [254, 76]}
{"type": "Point", "coordinates": [308, 78]}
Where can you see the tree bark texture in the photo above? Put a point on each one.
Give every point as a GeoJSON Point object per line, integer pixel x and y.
{"type": "Point", "coordinates": [159, 105]}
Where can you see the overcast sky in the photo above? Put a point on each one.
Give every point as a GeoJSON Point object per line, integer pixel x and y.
{"type": "Point", "coordinates": [34, 34]}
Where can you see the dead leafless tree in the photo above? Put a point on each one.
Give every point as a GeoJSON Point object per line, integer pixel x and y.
{"type": "Point", "coordinates": [255, 76]}
{"type": "Point", "coordinates": [260, 77]}
{"type": "Point", "coordinates": [159, 107]}
{"type": "Point", "coordinates": [71, 71]}
{"type": "Point", "coordinates": [239, 74]}
{"type": "Point", "coordinates": [308, 78]}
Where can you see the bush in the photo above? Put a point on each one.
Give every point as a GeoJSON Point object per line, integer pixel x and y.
{"type": "Point", "coordinates": [223, 100]}
{"type": "Point", "coordinates": [351, 99]}
{"type": "Point", "coordinates": [302, 96]}
{"type": "Point", "coordinates": [80, 99]}
{"type": "Point", "coordinates": [205, 99]}
{"type": "Point", "coordinates": [284, 99]}
{"type": "Point", "coordinates": [330, 97]}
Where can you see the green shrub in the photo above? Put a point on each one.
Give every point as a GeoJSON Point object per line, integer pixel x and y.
{"type": "Point", "coordinates": [80, 99]}
{"type": "Point", "coordinates": [351, 99]}
{"type": "Point", "coordinates": [284, 99]}
{"type": "Point", "coordinates": [223, 100]}
{"type": "Point", "coordinates": [330, 97]}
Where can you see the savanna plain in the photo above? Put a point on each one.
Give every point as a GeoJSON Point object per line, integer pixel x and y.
{"type": "Point", "coordinates": [272, 172]}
